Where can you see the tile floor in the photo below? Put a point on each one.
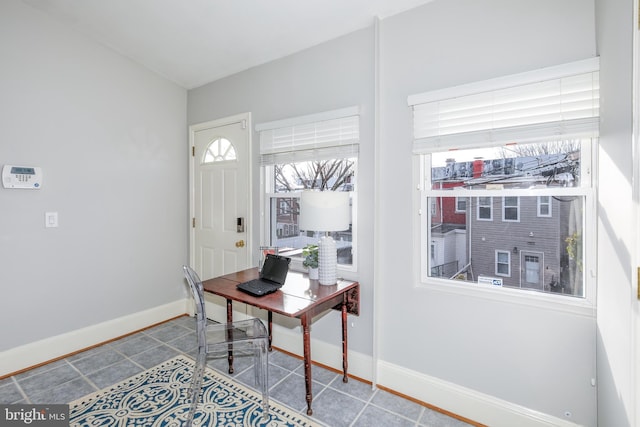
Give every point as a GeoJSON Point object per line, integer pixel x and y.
{"type": "Point", "coordinates": [335, 403]}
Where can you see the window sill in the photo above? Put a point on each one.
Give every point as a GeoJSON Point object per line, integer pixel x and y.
{"type": "Point", "coordinates": [565, 304]}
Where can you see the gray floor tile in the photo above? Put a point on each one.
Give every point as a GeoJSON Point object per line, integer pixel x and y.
{"type": "Point", "coordinates": [397, 404]}
{"type": "Point", "coordinates": [63, 393]}
{"type": "Point", "coordinates": [284, 360]}
{"type": "Point", "coordinates": [154, 356]}
{"type": "Point", "coordinates": [9, 392]}
{"type": "Point", "coordinates": [291, 391]}
{"type": "Point", "coordinates": [431, 418]}
{"type": "Point", "coordinates": [97, 360]}
{"type": "Point", "coordinates": [167, 332]}
{"type": "Point", "coordinates": [46, 380]}
{"type": "Point", "coordinates": [114, 373]}
{"type": "Point", "coordinates": [374, 416]}
{"type": "Point", "coordinates": [336, 409]}
{"type": "Point", "coordinates": [355, 388]}
{"type": "Point", "coordinates": [136, 344]}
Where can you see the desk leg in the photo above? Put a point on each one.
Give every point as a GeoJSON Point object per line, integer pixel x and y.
{"type": "Point", "coordinates": [306, 338]}
{"type": "Point", "coordinates": [270, 326]}
{"type": "Point", "coordinates": [229, 320]}
{"type": "Point", "coordinates": [345, 363]}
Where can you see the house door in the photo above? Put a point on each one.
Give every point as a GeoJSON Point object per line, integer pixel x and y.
{"type": "Point", "coordinates": [531, 276]}
{"type": "Point", "coordinates": [221, 195]}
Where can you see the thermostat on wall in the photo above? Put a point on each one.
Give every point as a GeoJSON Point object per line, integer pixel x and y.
{"type": "Point", "coordinates": [21, 177]}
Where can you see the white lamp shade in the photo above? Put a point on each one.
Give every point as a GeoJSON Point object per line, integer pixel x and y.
{"type": "Point", "coordinates": [324, 211]}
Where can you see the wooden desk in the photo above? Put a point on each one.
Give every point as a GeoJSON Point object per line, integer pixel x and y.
{"type": "Point", "coordinates": [299, 297]}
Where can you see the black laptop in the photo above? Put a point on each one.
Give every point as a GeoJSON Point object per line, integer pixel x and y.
{"type": "Point", "coordinates": [272, 277]}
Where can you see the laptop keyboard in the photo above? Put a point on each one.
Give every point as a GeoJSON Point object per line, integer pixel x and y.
{"type": "Point", "coordinates": [258, 287]}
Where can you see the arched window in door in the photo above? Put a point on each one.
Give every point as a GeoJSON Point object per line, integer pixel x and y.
{"type": "Point", "coordinates": [219, 150]}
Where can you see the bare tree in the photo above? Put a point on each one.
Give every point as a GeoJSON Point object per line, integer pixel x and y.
{"type": "Point", "coordinates": [321, 175]}
{"type": "Point", "coordinates": [545, 148]}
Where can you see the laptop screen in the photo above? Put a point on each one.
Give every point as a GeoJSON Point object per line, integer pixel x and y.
{"type": "Point", "coordinates": [275, 268]}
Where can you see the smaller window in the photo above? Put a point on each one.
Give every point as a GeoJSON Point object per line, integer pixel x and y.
{"type": "Point", "coordinates": [461, 204]}
{"type": "Point", "coordinates": [503, 263]}
{"type": "Point", "coordinates": [511, 209]}
{"type": "Point", "coordinates": [544, 206]}
{"type": "Point", "coordinates": [219, 150]}
{"type": "Point", "coordinates": [485, 208]}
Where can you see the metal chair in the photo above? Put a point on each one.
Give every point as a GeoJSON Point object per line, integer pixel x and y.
{"type": "Point", "coordinates": [244, 336]}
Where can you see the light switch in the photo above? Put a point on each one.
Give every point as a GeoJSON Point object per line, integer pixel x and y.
{"type": "Point", "coordinates": [50, 219]}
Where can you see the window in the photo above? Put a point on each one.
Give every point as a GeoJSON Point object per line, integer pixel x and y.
{"type": "Point", "coordinates": [519, 152]}
{"type": "Point", "coordinates": [316, 152]}
{"type": "Point", "coordinates": [461, 204]}
{"type": "Point", "coordinates": [219, 150]}
{"type": "Point", "coordinates": [544, 206]}
{"type": "Point", "coordinates": [503, 263]}
{"type": "Point", "coordinates": [485, 209]}
{"type": "Point", "coordinates": [511, 209]}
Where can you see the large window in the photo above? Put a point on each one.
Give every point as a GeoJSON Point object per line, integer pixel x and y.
{"type": "Point", "coordinates": [317, 153]}
{"type": "Point", "coordinates": [520, 151]}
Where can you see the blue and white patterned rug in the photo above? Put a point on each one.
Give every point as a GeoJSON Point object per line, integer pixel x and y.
{"type": "Point", "coordinates": [159, 397]}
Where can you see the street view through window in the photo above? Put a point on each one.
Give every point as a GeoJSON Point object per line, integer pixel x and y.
{"type": "Point", "coordinates": [287, 181]}
{"type": "Point", "coordinates": [510, 216]}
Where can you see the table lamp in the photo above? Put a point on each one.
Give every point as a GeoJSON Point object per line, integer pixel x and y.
{"type": "Point", "coordinates": [325, 211]}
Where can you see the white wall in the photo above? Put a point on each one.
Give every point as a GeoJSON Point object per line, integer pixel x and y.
{"type": "Point", "coordinates": [617, 303]}
{"type": "Point", "coordinates": [111, 139]}
{"type": "Point", "coordinates": [536, 358]}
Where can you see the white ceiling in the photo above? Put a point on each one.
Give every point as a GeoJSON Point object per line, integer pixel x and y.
{"type": "Point", "coordinates": [193, 42]}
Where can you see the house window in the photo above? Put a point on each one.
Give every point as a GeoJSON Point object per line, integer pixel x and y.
{"type": "Point", "coordinates": [485, 209]}
{"type": "Point", "coordinates": [317, 153]}
{"type": "Point", "coordinates": [511, 209]}
{"type": "Point", "coordinates": [503, 263]}
{"type": "Point", "coordinates": [544, 206]}
{"type": "Point", "coordinates": [461, 204]}
{"type": "Point", "coordinates": [532, 162]}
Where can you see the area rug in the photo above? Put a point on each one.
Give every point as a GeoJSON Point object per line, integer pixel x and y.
{"type": "Point", "coordinates": [159, 397]}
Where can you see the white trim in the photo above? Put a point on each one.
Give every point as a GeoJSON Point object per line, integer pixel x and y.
{"type": "Point", "coordinates": [543, 74]}
{"type": "Point", "coordinates": [462, 401]}
{"type": "Point", "coordinates": [310, 118]}
{"type": "Point", "coordinates": [35, 353]}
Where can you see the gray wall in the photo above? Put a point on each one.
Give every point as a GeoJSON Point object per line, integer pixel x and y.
{"type": "Point", "coordinates": [111, 139]}
{"type": "Point", "coordinates": [536, 357]}
{"type": "Point", "coordinates": [330, 76]}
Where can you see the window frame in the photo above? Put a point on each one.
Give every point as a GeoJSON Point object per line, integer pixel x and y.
{"type": "Point", "coordinates": [505, 207]}
{"type": "Point", "coordinates": [579, 305]}
{"type": "Point", "coordinates": [489, 206]}
{"type": "Point", "coordinates": [498, 263]}
{"type": "Point", "coordinates": [549, 204]}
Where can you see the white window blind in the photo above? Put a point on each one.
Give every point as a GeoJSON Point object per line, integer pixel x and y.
{"type": "Point", "coordinates": [333, 134]}
{"type": "Point", "coordinates": [560, 101]}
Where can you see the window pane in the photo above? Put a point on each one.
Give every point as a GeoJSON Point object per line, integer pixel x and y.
{"type": "Point", "coordinates": [289, 179]}
{"type": "Point", "coordinates": [548, 164]}
{"type": "Point", "coordinates": [542, 253]}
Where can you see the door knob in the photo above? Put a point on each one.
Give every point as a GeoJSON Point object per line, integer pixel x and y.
{"type": "Point", "coordinates": [240, 244]}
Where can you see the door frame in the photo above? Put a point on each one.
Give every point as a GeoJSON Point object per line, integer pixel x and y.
{"type": "Point", "coordinates": [249, 226]}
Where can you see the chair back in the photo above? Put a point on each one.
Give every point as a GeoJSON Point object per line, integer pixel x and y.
{"type": "Point", "coordinates": [196, 291]}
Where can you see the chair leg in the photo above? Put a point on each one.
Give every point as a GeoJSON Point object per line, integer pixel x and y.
{"type": "Point", "coordinates": [262, 375]}
{"type": "Point", "coordinates": [196, 385]}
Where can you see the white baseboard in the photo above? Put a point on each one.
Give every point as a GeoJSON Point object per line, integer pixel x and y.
{"type": "Point", "coordinates": [35, 353]}
{"type": "Point", "coordinates": [462, 401]}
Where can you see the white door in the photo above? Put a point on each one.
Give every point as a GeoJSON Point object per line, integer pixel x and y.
{"type": "Point", "coordinates": [220, 180]}
{"type": "Point", "coordinates": [531, 271]}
